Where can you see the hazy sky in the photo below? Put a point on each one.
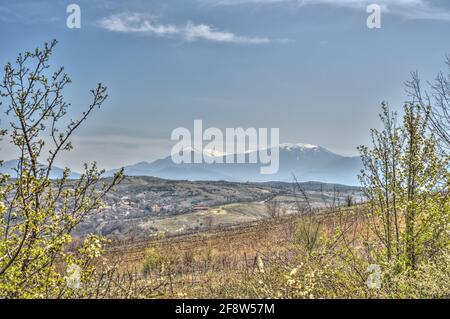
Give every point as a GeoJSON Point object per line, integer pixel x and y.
{"type": "Point", "coordinates": [311, 68]}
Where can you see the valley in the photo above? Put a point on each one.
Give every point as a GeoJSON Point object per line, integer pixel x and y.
{"type": "Point", "coordinates": [144, 207]}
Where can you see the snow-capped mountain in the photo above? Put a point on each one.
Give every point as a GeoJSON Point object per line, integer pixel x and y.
{"type": "Point", "coordinates": [304, 161]}
{"type": "Point", "coordinates": [299, 146]}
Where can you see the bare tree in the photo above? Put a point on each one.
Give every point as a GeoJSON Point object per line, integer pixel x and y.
{"type": "Point", "coordinates": [436, 99]}
{"type": "Point", "coordinates": [349, 201]}
{"type": "Point", "coordinates": [273, 209]}
{"type": "Point", "coordinates": [209, 222]}
{"type": "Point", "coordinates": [307, 230]}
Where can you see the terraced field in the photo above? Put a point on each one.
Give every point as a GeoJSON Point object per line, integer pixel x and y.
{"type": "Point", "coordinates": [245, 240]}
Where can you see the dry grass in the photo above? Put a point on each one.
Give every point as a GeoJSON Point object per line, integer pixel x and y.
{"type": "Point", "coordinates": [201, 262]}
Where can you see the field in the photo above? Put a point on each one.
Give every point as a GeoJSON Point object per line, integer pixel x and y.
{"type": "Point", "coordinates": [200, 262]}
{"type": "Point", "coordinates": [219, 216]}
{"type": "Point", "coordinates": [142, 207]}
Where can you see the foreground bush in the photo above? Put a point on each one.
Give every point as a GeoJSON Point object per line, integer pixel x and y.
{"type": "Point", "coordinates": [37, 215]}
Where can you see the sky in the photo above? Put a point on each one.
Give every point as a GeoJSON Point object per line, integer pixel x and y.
{"type": "Point", "coordinates": [311, 68]}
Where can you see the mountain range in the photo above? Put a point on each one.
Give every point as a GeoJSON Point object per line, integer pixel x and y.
{"type": "Point", "coordinates": [9, 167]}
{"type": "Point", "coordinates": [304, 161]}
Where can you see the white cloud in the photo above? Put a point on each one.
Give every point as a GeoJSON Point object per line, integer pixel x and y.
{"type": "Point", "coordinates": [411, 9]}
{"type": "Point", "coordinates": [201, 31]}
{"type": "Point", "coordinates": [137, 23]}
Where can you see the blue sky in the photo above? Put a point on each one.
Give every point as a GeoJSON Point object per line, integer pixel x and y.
{"type": "Point", "coordinates": [311, 68]}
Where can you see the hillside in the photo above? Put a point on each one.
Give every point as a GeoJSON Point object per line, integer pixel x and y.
{"type": "Point", "coordinates": [140, 207]}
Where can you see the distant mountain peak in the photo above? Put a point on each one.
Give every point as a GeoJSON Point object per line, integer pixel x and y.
{"type": "Point", "coordinates": [301, 146]}
{"type": "Point", "coordinates": [206, 151]}
{"type": "Point", "coordinates": [305, 161]}
{"type": "Point", "coordinates": [283, 146]}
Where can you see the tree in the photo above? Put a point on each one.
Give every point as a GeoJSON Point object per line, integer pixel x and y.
{"type": "Point", "coordinates": [406, 182]}
{"type": "Point", "coordinates": [37, 215]}
{"type": "Point", "coordinates": [273, 209]}
{"type": "Point", "coordinates": [435, 100]}
{"type": "Point", "coordinates": [349, 201]}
